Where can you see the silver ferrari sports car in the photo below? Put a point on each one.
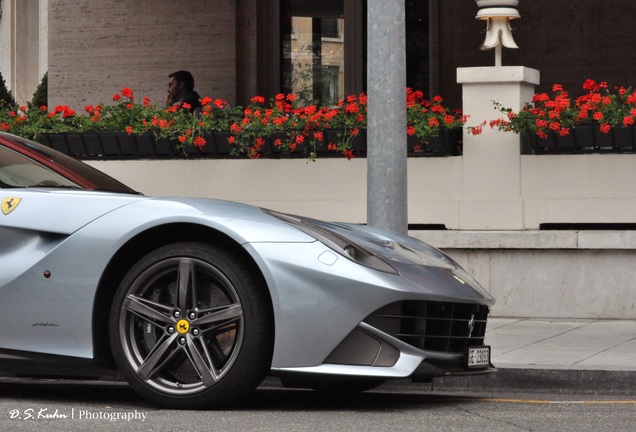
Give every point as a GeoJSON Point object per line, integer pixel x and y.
{"type": "Point", "coordinates": [195, 301]}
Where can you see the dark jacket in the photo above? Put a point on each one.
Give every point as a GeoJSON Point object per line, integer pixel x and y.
{"type": "Point", "coordinates": [193, 99]}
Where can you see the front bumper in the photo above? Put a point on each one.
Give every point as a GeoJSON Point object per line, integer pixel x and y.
{"type": "Point", "coordinates": [399, 345]}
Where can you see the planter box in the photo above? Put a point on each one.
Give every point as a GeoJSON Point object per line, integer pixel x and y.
{"type": "Point", "coordinates": [163, 148]}
{"type": "Point", "coordinates": [110, 144]}
{"type": "Point", "coordinates": [146, 146]}
{"type": "Point", "coordinates": [223, 147]}
{"type": "Point", "coordinates": [209, 149]}
{"type": "Point", "coordinates": [300, 151]}
{"type": "Point", "coordinates": [358, 143]}
{"type": "Point", "coordinates": [58, 142]}
{"type": "Point", "coordinates": [93, 145]}
{"type": "Point", "coordinates": [584, 139]}
{"type": "Point", "coordinates": [447, 143]}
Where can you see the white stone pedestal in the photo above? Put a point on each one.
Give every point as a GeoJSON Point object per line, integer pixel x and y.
{"type": "Point", "coordinates": [491, 194]}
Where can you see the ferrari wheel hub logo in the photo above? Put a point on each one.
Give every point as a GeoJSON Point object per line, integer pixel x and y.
{"type": "Point", "coordinates": [183, 326]}
{"type": "Point", "coordinates": [9, 204]}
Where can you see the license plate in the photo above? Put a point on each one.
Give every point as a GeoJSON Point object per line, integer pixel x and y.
{"type": "Point", "coordinates": [478, 357]}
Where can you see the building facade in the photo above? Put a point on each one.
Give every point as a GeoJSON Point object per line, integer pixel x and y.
{"type": "Point", "coordinates": [494, 205]}
{"type": "Point", "coordinates": [240, 48]}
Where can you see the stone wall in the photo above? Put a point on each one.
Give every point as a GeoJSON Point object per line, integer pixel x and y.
{"type": "Point", "coordinates": [566, 189]}
{"type": "Point", "coordinates": [548, 274]}
{"type": "Point", "coordinates": [98, 47]}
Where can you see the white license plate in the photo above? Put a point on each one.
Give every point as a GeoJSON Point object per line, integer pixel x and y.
{"type": "Point", "coordinates": [478, 356]}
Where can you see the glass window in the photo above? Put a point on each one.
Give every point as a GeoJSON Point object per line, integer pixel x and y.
{"type": "Point", "coordinates": [330, 28]}
{"type": "Point", "coordinates": [323, 43]}
{"type": "Point", "coordinates": [331, 91]}
{"type": "Point", "coordinates": [417, 45]}
{"type": "Point", "coordinates": [313, 51]}
{"type": "Point", "coordinates": [32, 164]}
{"type": "Point", "coordinates": [17, 171]}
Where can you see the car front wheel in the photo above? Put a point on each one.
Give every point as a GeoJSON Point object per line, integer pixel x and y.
{"type": "Point", "coordinates": [191, 327]}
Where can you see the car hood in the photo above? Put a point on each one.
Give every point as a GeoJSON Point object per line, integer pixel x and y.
{"type": "Point", "coordinates": [412, 259]}
{"type": "Point", "coordinates": [397, 248]}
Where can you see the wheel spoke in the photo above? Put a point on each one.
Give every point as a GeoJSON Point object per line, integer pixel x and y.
{"type": "Point", "coordinates": [147, 309]}
{"type": "Point", "coordinates": [161, 353]}
{"type": "Point", "coordinates": [207, 373]}
{"type": "Point", "coordinates": [220, 315]}
{"type": "Point", "coordinates": [185, 284]}
{"type": "Point", "coordinates": [216, 352]}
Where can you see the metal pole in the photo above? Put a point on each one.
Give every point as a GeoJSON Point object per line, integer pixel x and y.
{"type": "Point", "coordinates": [387, 206]}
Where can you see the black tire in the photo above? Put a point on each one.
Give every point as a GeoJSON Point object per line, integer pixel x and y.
{"type": "Point", "coordinates": [191, 327]}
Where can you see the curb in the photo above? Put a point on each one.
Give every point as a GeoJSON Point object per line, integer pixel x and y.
{"type": "Point", "coordinates": [553, 380]}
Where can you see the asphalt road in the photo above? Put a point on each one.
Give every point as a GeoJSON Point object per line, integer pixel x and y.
{"type": "Point", "coordinates": [69, 407]}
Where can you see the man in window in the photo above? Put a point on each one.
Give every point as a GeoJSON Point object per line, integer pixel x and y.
{"type": "Point", "coordinates": [181, 91]}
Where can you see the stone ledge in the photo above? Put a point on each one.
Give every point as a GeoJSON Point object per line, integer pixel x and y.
{"type": "Point", "coordinates": [498, 74]}
{"type": "Point", "coordinates": [528, 239]}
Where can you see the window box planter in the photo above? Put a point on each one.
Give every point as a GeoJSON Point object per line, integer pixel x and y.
{"type": "Point", "coordinates": [448, 142]}
{"type": "Point", "coordinates": [209, 149]}
{"type": "Point", "coordinates": [146, 146]}
{"type": "Point", "coordinates": [93, 145]}
{"type": "Point", "coordinates": [162, 148]}
{"type": "Point", "coordinates": [358, 143]}
{"type": "Point", "coordinates": [584, 139]}
{"type": "Point", "coordinates": [223, 147]}
{"type": "Point", "coordinates": [110, 144]}
{"type": "Point", "coordinates": [127, 145]}
{"type": "Point", "coordinates": [58, 142]}
{"type": "Point", "coordinates": [591, 139]}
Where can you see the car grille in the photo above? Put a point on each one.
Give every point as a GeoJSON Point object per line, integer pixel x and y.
{"type": "Point", "coordinates": [435, 326]}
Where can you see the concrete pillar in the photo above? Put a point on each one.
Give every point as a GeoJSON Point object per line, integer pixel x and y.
{"type": "Point", "coordinates": [43, 61]}
{"type": "Point", "coordinates": [20, 47]}
{"type": "Point", "coordinates": [386, 133]}
{"type": "Point", "coordinates": [491, 193]}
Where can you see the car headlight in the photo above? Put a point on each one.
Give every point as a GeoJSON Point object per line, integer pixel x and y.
{"type": "Point", "coordinates": [337, 243]}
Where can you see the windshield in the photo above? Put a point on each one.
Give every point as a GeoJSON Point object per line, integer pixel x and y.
{"type": "Point", "coordinates": [29, 164]}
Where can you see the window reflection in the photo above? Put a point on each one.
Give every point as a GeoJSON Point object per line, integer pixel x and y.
{"type": "Point", "coordinates": [313, 49]}
{"type": "Point", "coordinates": [318, 66]}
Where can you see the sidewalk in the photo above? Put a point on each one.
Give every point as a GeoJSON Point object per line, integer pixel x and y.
{"type": "Point", "coordinates": [562, 343]}
{"type": "Point", "coordinates": [563, 355]}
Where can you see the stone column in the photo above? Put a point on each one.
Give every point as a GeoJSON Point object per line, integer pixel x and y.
{"type": "Point", "coordinates": [386, 134]}
{"type": "Point", "coordinates": [21, 61]}
{"type": "Point", "coordinates": [491, 194]}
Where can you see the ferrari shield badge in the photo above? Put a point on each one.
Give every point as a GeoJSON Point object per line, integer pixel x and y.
{"type": "Point", "coordinates": [9, 204]}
